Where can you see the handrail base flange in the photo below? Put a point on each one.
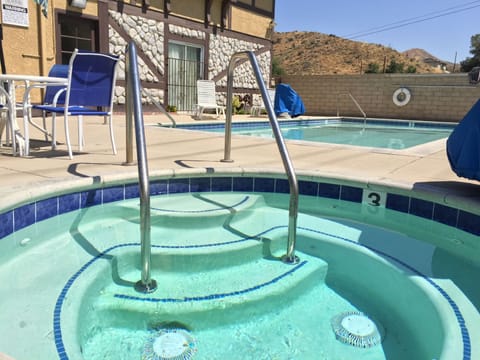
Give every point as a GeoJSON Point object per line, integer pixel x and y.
{"type": "Point", "coordinates": [143, 288]}
{"type": "Point", "coordinates": [292, 260]}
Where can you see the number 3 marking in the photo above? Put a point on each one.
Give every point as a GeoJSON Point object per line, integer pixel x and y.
{"type": "Point", "coordinates": [374, 199]}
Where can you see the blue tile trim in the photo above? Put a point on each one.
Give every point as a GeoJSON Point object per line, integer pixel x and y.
{"type": "Point", "coordinates": [282, 186]}
{"type": "Point", "coordinates": [469, 222]}
{"type": "Point", "coordinates": [46, 209]}
{"type": "Point", "coordinates": [422, 208]}
{"type": "Point", "coordinates": [351, 193]}
{"type": "Point", "coordinates": [131, 191]}
{"type": "Point", "coordinates": [445, 215]}
{"type": "Point", "coordinates": [91, 198]}
{"type": "Point", "coordinates": [309, 188]}
{"type": "Point", "coordinates": [69, 202]}
{"type": "Point", "coordinates": [6, 224]}
{"type": "Point", "coordinates": [201, 184]}
{"type": "Point", "coordinates": [159, 187]}
{"type": "Point", "coordinates": [177, 186]}
{"type": "Point", "coordinates": [398, 203]}
{"type": "Point", "coordinates": [113, 194]}
{"type": "Point", "coordinates": [264, 185]}
{"type": "Point", "coordinates": [222, 184]}
{"type": "Point", "coordinates": [23, 216]}
{"type": "Point", "coordinates": [330, 191]}
{"type": "Point", "coordinates": [265, 124]}
{"type": "Point", "coordinates": [242, 184]}
{"type": "Point", "coordinates": [57, 331]}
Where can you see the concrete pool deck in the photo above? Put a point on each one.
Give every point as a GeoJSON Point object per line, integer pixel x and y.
{"type": "Point", "coordinates": [170, 150]}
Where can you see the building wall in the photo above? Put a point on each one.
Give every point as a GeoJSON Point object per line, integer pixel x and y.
{"type": "Point", "coordinates": [247, 22]}
{"type": "Point", "coordinates": [32, 50]}
{"type": "Point", "coordinates": [151, 32]}
{"type": "Point", "coordinates": [445, 97]}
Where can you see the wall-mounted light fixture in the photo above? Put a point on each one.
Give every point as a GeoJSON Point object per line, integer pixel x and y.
{"type": "Point", "coordinates": [81, 4]}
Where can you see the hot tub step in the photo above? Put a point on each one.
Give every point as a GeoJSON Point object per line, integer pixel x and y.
{"type": "Point", "coordinates": [202, 210]}
{"type": "Point", "coordinates": [240, 292]}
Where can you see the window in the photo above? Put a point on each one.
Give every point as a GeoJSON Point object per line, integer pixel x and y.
{"type": "Point", "coordinates": [185, 67]}
{"type": "Point", "coordinates": [75, 32]}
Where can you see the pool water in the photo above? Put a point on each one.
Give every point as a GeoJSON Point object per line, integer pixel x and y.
{"type": "Point", "coordinates": [215, 257]}
{"type": "Point", "coordinates": [292, 328]}
{"type": "Point", "coordinates": [395, 135]}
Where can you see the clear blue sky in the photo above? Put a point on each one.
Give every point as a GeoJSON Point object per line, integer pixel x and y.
{"type": "Point", "coordinates": [441, 27]}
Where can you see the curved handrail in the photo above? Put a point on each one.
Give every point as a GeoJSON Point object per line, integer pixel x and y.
{"type": "Point", "coordinates": [354, 101]}
{"type": "Point", "coordinates": [134, 106]}
{"type": "Point", "coordinates": [160, 107]}
{"type": "Point", "coordinates": [289, 257]}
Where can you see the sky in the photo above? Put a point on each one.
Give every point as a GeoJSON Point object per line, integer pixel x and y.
{"type": "Point", "coordinates": [441, 27]}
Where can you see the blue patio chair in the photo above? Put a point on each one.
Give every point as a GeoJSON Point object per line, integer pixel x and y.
{"type": "Point", "coordinates": [89, 92]}
{"type": "Point", "coordinates": [59, 71]}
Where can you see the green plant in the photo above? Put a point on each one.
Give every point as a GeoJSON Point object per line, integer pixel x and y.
{"type": "Point", "coordinates": [372, 68]}
{"type": "Point", "coordinates": [394, 67]}
{"type": "Point", "coordinates": [411, 69]}
{"type": "Point", "coordinates": [171, 108]}
{"type": "Point", "coordinates": [236, 104]}
{"type": "Point", "coordinates": [470, 62]}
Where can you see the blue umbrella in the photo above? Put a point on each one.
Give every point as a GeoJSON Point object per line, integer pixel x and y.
{"type": "Point", "coordinates": [463, 145]}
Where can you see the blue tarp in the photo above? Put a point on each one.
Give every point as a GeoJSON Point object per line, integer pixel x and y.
{"type": "Point", "coordinates": [463, 145]}
{"type": "Point", "coordinates": [288, 101]}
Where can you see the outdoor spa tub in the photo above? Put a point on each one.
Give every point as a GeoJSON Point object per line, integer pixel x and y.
{"type": "Point", "coordinates": [383, 272]}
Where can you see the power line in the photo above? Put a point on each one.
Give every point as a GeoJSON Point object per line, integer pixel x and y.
{"type": "Point", "coordinates": [409, 19]}
{"type": "Point", "coordinates": [414, 20]}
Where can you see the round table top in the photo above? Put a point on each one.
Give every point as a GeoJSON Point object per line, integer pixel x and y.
{"type": "Point", "coordinates": [34, 78]}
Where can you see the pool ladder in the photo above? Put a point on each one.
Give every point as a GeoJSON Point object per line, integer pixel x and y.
{"type": "Point", "coordinates": [356, 104]}
{"type": "Point", "coordinates": [133, 107]}
{"type": "Point", "coordinates": [289, 257]}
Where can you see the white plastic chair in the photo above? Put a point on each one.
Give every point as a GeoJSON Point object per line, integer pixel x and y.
{"type": "Point", "coordinates": [207, 99]}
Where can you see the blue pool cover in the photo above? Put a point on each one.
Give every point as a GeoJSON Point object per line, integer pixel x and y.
{"type": "Point", "coordinates": [288, 101]}
{"type": "Point", "coordinates": [463, 145]}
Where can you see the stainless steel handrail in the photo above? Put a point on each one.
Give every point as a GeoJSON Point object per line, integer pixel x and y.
{"type": "Point", "coordinates": [358, 107]}
{"type": "Point", "coordinates": [134, 107]}
{"type": "Point", "coordinates": [289, 257]}
{"type": "Point", "coordinates": [354, 101]}
{"type": "Point", "coordinates": [160, 107]}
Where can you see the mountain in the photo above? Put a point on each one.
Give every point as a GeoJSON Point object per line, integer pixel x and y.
{"type": "Point", "coordinates": [426, 57]}
{"type": "Point", "coordinates": [313, 53]}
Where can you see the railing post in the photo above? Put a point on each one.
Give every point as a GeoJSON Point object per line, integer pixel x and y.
{"type": "Point", "coordinates": [354, 101]}
{"type": "Point", "coordinates": [289, 257]}
{"type": "Point", "coordinates": [128, 113]}
{"type": "Point", "coordinates": [146, 284]}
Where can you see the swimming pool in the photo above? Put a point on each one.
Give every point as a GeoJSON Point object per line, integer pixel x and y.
{"type": "Point", "coordinates": [68, 263]}
{"type": "Point", "coordinates": [390, 134]}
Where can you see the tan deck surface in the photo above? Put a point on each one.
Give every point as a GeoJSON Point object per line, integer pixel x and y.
{"type": "Point", "coordinates": [424, 168]}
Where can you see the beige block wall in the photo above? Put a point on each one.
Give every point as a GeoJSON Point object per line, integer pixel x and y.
{"type": "Point", "coordinates": [445, 97]}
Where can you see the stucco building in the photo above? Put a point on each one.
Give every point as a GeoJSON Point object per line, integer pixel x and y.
{"type": "Point", "coordinates": [178, 41]}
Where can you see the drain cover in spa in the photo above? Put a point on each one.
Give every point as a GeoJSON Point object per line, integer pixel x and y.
{"type": "Point", "coordinates": [356, 329]}
{"type": "Point", "coordinates": [170, 344]}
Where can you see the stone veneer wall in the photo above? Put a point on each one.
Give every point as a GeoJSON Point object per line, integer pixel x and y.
{"type": "Point", "coordinates": [148, 35]}
{"type": "Point", "coordinates": [445, 97]}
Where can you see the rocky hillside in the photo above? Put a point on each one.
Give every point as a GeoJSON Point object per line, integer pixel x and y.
{"type": "Point", "coordinates": [312, 53]}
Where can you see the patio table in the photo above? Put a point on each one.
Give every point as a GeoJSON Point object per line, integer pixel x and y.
{"type": "Point", "coordinates": [9, 122]}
